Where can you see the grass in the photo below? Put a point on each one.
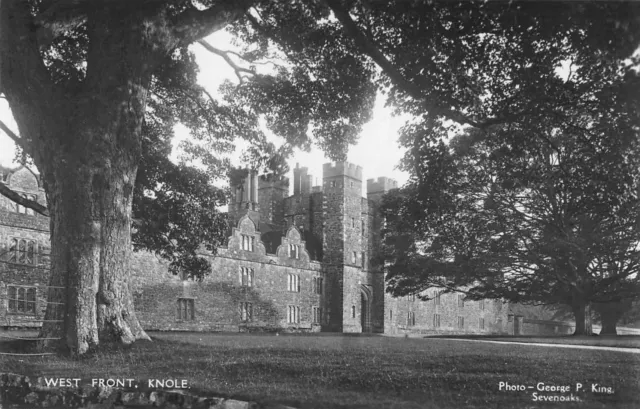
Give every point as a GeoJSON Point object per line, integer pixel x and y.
{"type": "Point", "coordinates": [337, 371]}
{"type": "Point", "coordinates": [619, 341]}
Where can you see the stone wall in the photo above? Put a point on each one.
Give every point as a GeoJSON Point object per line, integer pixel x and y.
{"type": "Point", "coordinates": [376, 280]}
{"type": "Point", "coordinates": [217, 300]}
{"type": "Point", "coordinates": [18, 391]}
{"type": "Point", "coordinates": [352, 299]}
{"type": "Point", "coordinates": [375, 190]}
{"type": "Point", "coordinates": [333, 246]}
{"type": "Point", "coordinates": [544, 327]}
{"type": "Point", "coordinates": [18, 223]}
{"type": "Point", "coordinates": [397, 315]}
{"type": "Point", "coordinates": [316, 225]}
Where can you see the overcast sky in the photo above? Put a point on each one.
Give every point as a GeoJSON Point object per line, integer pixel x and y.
{"type": "Point", "coordinates": [377, 150]}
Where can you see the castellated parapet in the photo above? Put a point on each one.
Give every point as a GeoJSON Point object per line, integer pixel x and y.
{"type": "Point", "coordinates": [342, 169]}
{"type": "Point", "coordinates": [272, 180]}
{"type": "Point", "coordinates": [382, 184]}
{"type": "Point", "coordinates": [272, 189]}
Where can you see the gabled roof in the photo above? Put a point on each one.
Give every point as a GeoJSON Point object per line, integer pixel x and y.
{"type": "Point", "coordinates": [7, 172]}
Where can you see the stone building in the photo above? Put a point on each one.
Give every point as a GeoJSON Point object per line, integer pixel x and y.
{"type": "Point", "coordinates": [291, 263]}
{"type": "Point", "coordinates": [24, 252]}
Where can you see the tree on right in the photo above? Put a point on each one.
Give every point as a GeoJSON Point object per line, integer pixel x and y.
{"type": "Point", "coordinates": [541, 210]}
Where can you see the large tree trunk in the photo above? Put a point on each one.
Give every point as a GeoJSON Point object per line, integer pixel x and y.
{"type": "Point", "coordinates": [85, 139]}
{"type": "Point", "coordinates": [83, 131]}
{"type": "Point", "coordinates": [582, 314]}
{"type": "Point", "coordinates": [90, 207]}
{"type": "Point", "coordinates": [609, 327]}
{"type": "Point", "coordinates": [610, 313]}
{"type": "Point", "coordinates": [90, 189]}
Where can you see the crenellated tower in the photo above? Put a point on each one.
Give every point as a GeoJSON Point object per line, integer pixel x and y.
{"type": "Point", "coordinates": [272, 189]}
{"type": "Point", "coordinates": [244, 199]}
{"type": "Point", "coordinates": [376, 188]}
{"type": "Point", "coordinates": [342, 244]}
{"type": "Point", "coordinates": [302, 180]}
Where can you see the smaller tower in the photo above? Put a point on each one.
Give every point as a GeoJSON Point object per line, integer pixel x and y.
{"type": "Point", "coordinates": [302, 180]}
{"type": "Point", "coordinates": [376, 188]}
{"type": "Point", "coordinates": [244, 199]}
{"type": "Point", "coordinates": [272, 189]}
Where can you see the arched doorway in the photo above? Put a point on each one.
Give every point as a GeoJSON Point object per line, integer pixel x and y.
{"type": "Point", "coordinates": [366, 296]}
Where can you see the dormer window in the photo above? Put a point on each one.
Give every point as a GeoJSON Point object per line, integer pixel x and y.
{"type": "Point", "coordinates": [294, 251]}
{"type": "Point", "coordinates": [248, 242]}
{"type": "Point", "coordinates": [354, 257]}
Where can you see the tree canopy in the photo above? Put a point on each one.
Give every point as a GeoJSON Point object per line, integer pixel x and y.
{"type": "Point", "coordinates": [95, 89]}
{"type": "Point", "coordinates": [542, 208]}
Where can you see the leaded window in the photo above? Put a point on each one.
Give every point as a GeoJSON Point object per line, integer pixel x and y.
{"type": "Point", "coordinates": [22, 300]}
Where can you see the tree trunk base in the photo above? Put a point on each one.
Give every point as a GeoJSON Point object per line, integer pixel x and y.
{"type": "Point", "coordinates": [608, 330]}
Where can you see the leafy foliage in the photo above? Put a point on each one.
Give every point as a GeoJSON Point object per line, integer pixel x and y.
{"type": "Point", "coordinates": [510, 216]}
{"type": "Point", "coordinates": [315, 94]}
{"type": "Point", "coordinates": [537, 201]}
{"type": "Point", "coordinates": [478, 63]}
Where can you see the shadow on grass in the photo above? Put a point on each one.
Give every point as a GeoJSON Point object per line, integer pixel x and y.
{"type": "Point", "coordinates": [354, 371]}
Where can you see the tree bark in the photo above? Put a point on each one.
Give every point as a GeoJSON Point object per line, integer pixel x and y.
{"type": "Point", "coordinates": [609, 327]}
{"type": "Point", "coordinates": [89, 181]}
{"type": "Point", "coordinates": [582, 314]}
{"type": "Point", "coordinates": [610, 313]}
{"type": "Point", "coordinates": [91, 246]}
{"type": "Point", "coordinates": [85, 141]}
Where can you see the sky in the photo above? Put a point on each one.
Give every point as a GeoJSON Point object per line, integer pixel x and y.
{"type": "Point", "coordinates": [377, 151]}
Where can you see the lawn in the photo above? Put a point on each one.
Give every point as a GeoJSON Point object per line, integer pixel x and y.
{"type": "Point", "coordinates": [337, 371]}
{"type": "Point", "coordinates": [619, 341]}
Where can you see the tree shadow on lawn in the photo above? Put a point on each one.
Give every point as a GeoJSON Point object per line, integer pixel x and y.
{"type": "Point", "coordinates": [395, 372]}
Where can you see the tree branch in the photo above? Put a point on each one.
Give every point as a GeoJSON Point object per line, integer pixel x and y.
{"type": "Point", "coordinates": [194, 24]}
{"type": "Point", "coordinates": [225, 55]}
{"type": "Point", "coordinates": [18, 141]}
{"type": "Point", "coordinates": [25, 79]}
{"type": "Point", "coordinates": [203, 90]}
{"type": "Point", "coordinates": [59, 16]}
{"type": "Point", "coordinates": [370, 49]}
{"type": "Point", "coordinates": [16, 197]}
{"type": "Point", "coordinates": [414, 91]}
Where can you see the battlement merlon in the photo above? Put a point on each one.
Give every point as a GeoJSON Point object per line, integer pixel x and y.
{"type": "Point", "coordinates": [342, 169]}
{"type": "Point", "coordinates": [271, 180]}
{"type": "Point", "coordinates": [302, 180]}
{"type": "Point", "coordinates": [301, 170]}
{"type": "Point", "coordinates": [382, 184]}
